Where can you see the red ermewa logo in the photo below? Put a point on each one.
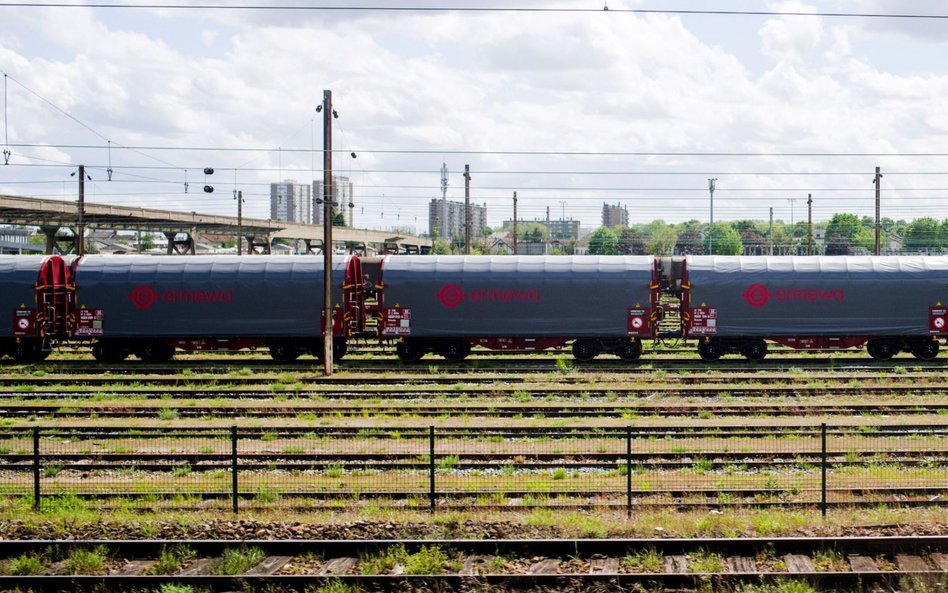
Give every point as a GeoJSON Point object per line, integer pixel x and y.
{"type": "Point", "coordinates": [450, 295]}
{"type": "Point", "coordinates": [143, 296]}
{"type": "Point", "coordinates": [756, 295]}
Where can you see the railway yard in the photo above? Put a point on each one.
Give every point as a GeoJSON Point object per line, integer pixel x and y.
{"type": "Point", "coordinates": [821, 471]}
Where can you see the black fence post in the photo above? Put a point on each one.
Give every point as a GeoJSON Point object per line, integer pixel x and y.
{"type": "Point", "coordinates": [628, 472]}
{"type": "Point", "coordinates": [431, 467]}
{"type": "Point", "coordinates": [823, 468]}
{"type": "Point", "coordinates": [36, 468]}
{"type": "Point", "coordinates": [233, 467]}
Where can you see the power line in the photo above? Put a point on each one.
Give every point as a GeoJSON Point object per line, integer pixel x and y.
{"type": "Point", "coordinates": [78, 121]}
{"type": "Point", "coordinates": [478, 9]}
{"type": "Point", "coordinates": [461, 151]}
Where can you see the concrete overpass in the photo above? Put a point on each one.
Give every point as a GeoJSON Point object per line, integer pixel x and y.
{"type": "Point", "coordinates": [54, 215]}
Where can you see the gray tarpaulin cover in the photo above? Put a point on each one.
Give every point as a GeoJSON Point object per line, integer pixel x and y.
{"type": "Point", "coordinates": [809, 296]}
{"type": "Point", "coordinates": [18, 277]}
{"type": "Point", "coordinates": [517, 296]}
{"type": "Point", "coordinates": [212, 296]}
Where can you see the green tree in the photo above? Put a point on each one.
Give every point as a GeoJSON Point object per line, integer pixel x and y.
{"type": "Point", "coordinates": [784, 241]}
{"type": "Point", "coordinates": [866, 238]}
{"type": "Point", "coordinates": [724, 240]}
{"type": "Point", "coordinates": [661, 240]}
{"type": "Point", "coordinates": [837, 244]}
{"type": "Point", "coordinates": [690, 242]}
{"type": "Point", "coordinates": [148, 242]}
{"type": "Point", "coordinates": [923, 234]}
{"type": "Point", "coordinates": [754, 243]}
{"type": "Point", "coordinates": [844, 225]}
{"type": "Point", "coordinates": [741, 226]}
{"type": "Point", "coordinates": [339, 219]}
{"type": "Point", "coordinates": [631, 242]}
{"type": "Point", "coordinates": [532, 232]}
{"type": "Point", "coordinates": [440, 247]}
{"type": "Point", "coordinates": [603, 241]}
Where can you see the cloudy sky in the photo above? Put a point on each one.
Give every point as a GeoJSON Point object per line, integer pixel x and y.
{"type": "Point", "coordinates": [567, 104]}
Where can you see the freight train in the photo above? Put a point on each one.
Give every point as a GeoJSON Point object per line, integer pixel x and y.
{"type": "Point", "coordinates": [150, 307]}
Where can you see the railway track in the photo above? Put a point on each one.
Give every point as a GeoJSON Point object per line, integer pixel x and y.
{"type": "Point", "coordinates": [408, 392]}
{"type": "Point", "coordinates": [374, 360]}
{"type": "Point", "coordinates": [657, 564]}
{"type": "Point", "coordinates": [603, 409]}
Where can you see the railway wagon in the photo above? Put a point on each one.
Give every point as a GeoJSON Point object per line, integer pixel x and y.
{"type": "Point", "coordinates": [736, 304]}
{"type": "Point", "coordinates": [36, 294]}
{"type": "Point", "coordinates": [447, 304]}
{"type": "Point", "coordinates": [150, 306]}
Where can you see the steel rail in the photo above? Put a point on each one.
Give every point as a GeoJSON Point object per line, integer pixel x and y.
{"type": "Point", "coordinates": [421, 392]}
{"type": "Point", "coordinates": [123, 409]}
{"type": "Point", "coordinates": [918, 557]}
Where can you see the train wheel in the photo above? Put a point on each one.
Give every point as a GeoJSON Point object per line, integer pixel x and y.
{"type": "Point", "coordinates": [709, 350]}
{"type": "Point", "coordinates": [630, 351]}
{"type": "Point", "coordinates": [755, 350]}
{"type": "Point", "coordinates": [455, 351]}
{"type": "Point", "coordinates": [155, 352]}
{"type": "Point", "coordinates": [339, 349]}
{"type": "Point", "coordinates": [409, 351]}
{"type": "Point", "coordinates": [585, 350]}
{"type": "Point", "coordinates": [925, 350]}
{"type": "Point", "coordinates": [284, 352]}
{"type": "Point", "coordinates": [108, 352]}
{"type": "Point", "coordinates": [881, 349]}
{"type": "Point", "coordinates": [28, 351]}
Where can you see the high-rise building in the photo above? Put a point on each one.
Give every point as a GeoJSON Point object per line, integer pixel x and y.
{"type": "Point", "coordinates": [291, 201]}
{"type": "Point", "coordinates": [613, 216]}
{"type": "Point", "coordinates": [341, 198]}
{"type": "Point", "coordinates": [455, 218]}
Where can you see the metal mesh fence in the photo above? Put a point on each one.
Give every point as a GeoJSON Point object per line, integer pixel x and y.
{"type": "Point", "coordinates": [483, 467]}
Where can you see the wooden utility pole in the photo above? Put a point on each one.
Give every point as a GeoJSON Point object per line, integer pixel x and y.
{"type": "Point", "coordinates": [878, 182]}
{"type": "Point", "coordinates": [80, 227]}
{"type": "Point", "coordinates": [467, 210]}
{"type": "Point", "coordinates": [515, 225]}
{"type": "Point", "coordinates": [809, 224]}
{"type": "Point", "coordinates": [327, 232]}
{"type": "Point", "coordinates": [770, 233]}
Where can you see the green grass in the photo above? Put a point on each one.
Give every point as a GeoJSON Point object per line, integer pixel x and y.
{"type": "Point", "coordinates": [173, 559]}
{"type": "Point", "coordinates": [239, 560]}
{"type": "Point", "coordinates": [427, 560]}
{"type": "Point", "coordinates": [705, 561]}
{"type": "Point", "coordinates": [175, 588]}
{"type": "Point", "coordinates": [334, 586]}
{"type": "Point", "coordinates": [82, 561]}
{"type": "Point", "coordinates": [384, 562]}
{"type": "Point", "coordinates": [782, 586]}
{"type": "Point", "coordinates": [24, 565]}
{"type": "Point", "coordinates": [645, 560]}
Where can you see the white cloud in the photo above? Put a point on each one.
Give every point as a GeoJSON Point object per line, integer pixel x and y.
{"type": "Point", "coordinates": [447, 82]}
{"type": "Point", "coordinates": [792, 38]}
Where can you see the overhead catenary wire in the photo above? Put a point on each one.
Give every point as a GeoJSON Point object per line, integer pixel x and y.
{"type": "Point", "coordinates": [80, 122]}
{"type": "Point", "coordinates": [473, 9]}
{"type": "Point", "coordinates": [507, 152]}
